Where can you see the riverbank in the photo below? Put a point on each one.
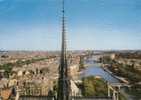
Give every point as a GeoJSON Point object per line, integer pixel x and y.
{"type": "Point", "coordinates": [121, 79]}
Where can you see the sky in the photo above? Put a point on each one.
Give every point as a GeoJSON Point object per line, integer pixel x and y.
{"type": "Point", "coordinates": [90, 24]}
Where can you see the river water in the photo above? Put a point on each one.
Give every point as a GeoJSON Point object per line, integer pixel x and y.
{"type": "Point", "coordinates": [95, 69]}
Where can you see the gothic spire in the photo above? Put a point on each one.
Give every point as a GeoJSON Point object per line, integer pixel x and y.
{"type": "Point", "coordinates": [63, 81]}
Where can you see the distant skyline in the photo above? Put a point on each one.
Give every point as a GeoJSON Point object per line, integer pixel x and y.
{"type": "Point", "coordinates": [90, 24]}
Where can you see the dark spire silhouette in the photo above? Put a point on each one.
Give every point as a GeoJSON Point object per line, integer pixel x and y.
{"type": "Point", "coordinates": [63, 81]}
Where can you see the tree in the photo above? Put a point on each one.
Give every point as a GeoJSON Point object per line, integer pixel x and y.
{"type": "Point", "coordinates": [93, 87]}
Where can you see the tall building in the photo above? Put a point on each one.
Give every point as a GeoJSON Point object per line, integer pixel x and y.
{"type": "Point", "coordinates": [63, 81]}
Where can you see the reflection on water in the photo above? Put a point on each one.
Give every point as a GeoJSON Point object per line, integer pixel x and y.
{"type": "Point", "coordinates": [95, 70]}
